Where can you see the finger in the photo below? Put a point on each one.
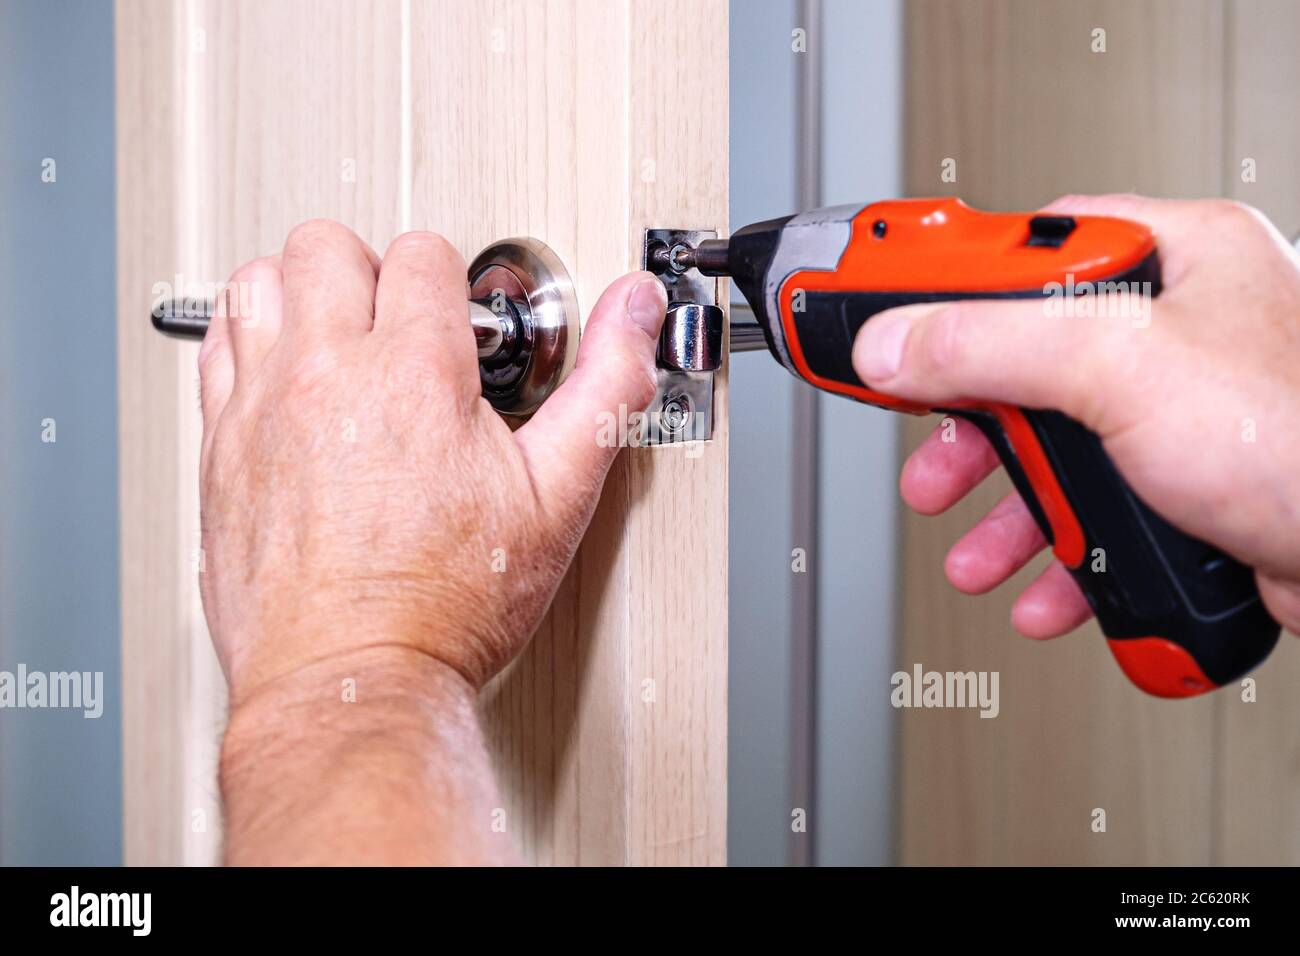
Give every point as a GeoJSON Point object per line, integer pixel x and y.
{"type": "Point", "coordinates": [422, 305]}
{"type": "Point", "coordinates": [1000, 544]}
{"type": "Point", "coordinates": [1282, 598]}
{"type": "Point", "coordinates": [329, 281]}
{"type": "Point", "coordinates": [250, 307]}
{"type": "Point", "coordinates": [566, 445]}
{"type": "Point", "coordinates": [1172, 220]}
{"type": "Point", "coordinates": [1051, 606]}
{"type": "Point", "coordinates": [947, 466]}
{"type": "Point", "coordinates": [1187, 231]}
{"type": "Point", "coordinates": [1026, 353]}
{"type": "Point", "coordinates": [1156, 213]}
{"type": "Point", "coordinates": [216, 367]}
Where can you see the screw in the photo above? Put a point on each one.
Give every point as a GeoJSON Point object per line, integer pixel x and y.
{"type": "Point", "coordinates": [681, 257]}
{"type": "Point", "coordinates": [676, 413]}
{"type": "Point", "coordinates": [658, 257]}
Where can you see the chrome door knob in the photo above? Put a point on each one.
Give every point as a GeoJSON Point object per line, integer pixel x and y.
{"type": "Point", "coordinates": [523, 284]}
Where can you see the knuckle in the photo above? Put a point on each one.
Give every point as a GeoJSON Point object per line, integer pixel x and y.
{"type": "Point", "coordinates": [639, 380]}
{"type": "Point", "coordinates": [623, 360]}
{"type": "Point", "coordinates": [1126, 199]}
{"type": "Point", "coordinates": [429, 245]}
{"type": "Point", "coordinates": [1233, 214]}
{"type": "Point", "coordinates": [213, 356]}
{"type": "Point", "coordinates": [256, 270]}
{"type": "Point", "coordinates": [1127, 204]}
{"type": "Point", "coordinates": [1076, 202]}
{"type": "Point", "coordinates": [245, 287]}
{"type": "Point", "coordinates": [315, 234]}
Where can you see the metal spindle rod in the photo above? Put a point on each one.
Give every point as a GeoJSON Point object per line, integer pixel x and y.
{"type": "Point", "coordinates": [493, 333]}
{"type": "Point", "coordinates": [746, 334]}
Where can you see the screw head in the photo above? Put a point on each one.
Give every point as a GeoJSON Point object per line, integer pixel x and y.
{"type": "Point", "coordinates": [675, 414]}
{"type": "Point", "coordinates": [677, 257]}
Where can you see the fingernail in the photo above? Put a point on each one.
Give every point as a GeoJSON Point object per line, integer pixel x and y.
{"type": "Point", "coordinates": [878, 352]}
{"type": "Point", "coordinates": [646, 305]}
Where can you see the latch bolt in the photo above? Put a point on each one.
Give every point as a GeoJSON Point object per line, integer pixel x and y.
{"type": "Point", "coordinates": [691, 340]}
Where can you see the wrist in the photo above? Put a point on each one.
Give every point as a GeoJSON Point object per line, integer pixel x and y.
{"type": "Point", "coordinates": [364, 757]}
{"type": "Point", "coordinates": [348, 693]}
{"type": "Point", "coordinates": [288, 643]}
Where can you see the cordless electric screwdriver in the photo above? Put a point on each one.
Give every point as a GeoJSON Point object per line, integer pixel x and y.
{"type": "Point", "coordinates": [1180, 616]}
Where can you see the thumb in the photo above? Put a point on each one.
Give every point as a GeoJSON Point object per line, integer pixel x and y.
{"type": "Point", "coordinates": [567, 443]}
{"type": "Point", "coordinates": [1026, 352]}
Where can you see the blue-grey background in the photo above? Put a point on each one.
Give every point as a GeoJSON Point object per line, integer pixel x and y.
{"type": "Point", "coordinates": [60, 799]}
{"type": "Point", "coordinates": [60, 773]}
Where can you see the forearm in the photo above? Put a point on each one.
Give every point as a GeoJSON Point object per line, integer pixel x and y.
{"type": "Point", "coordinates": [372, 758]}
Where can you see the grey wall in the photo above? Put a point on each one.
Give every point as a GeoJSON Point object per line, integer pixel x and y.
{"type": "Point", "coordinates": [762, 169]}
{"type": "Point", "coordinates": [60, 799]}
{"type": "Point", "coordinates": [862, 153]}
{"type": "Point", "coordinates": [862, 136]}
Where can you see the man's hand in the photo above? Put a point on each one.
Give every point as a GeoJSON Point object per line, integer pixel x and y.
{"type": "Point", "coordinates": [1197, 408]}
{"type": "Point", "coordinates": [358, 490]}
{"type": "Point", "coordinates": [368, 516]}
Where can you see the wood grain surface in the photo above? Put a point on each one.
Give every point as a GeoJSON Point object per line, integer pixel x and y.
{"type": "Point", "coordinates": [237, 120]}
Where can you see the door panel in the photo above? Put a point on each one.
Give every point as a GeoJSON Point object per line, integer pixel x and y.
{"type": "Point", "coordinates": [236, 120]}
{"type": "Point", "coordinates": [479, 121]}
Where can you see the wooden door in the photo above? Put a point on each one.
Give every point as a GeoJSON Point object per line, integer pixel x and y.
{"type": "Point", "coordinates": [1018, 93]}
{"type": "Point", "coordinates": [579, 122]}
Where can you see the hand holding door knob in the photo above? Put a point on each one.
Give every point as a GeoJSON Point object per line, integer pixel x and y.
{"type": "Point", "coordinates": [356, 490]}
{"type": "Point", "coordinates": [523, 311]}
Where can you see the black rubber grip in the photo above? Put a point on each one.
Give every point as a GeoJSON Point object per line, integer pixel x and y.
{"type": "Point", "coordinates": [1142, 576]}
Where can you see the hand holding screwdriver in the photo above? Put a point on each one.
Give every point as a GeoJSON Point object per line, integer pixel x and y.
{"type": "Point", "coordinates": [1196, 408]}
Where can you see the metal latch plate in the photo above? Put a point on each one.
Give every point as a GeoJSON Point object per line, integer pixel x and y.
{"type": "Point", "coordinates": [682, 409]}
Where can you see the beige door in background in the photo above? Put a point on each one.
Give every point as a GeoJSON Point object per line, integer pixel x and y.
{"type": "Point", "coordinates": [578, 122]}
{"type": "Point", "coordinates": [1185, 93]}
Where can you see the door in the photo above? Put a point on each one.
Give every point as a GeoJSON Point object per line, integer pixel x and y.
{"type": "Point", "coordinates": [578, 122]}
